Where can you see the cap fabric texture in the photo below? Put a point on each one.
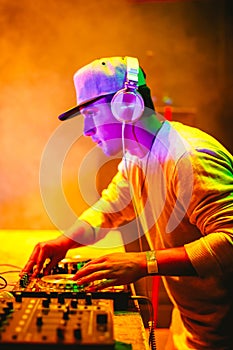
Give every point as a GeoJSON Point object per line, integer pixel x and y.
{"type": "Point", "coordinates": [101, 77]}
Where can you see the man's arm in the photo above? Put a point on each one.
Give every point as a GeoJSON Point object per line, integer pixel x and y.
{"type": "Point", "coordinates": [117, 268]}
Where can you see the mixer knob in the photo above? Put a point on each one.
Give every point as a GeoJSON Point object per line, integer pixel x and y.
{"type": "Point", "coordinates": [77, 333]}
{"type": "Point", "coordinates": [2, 316]}
{"type": "Point", "coordinates": [66, 314]}
{"type": "Point", "coordinates": [7, 310]}
{"type": "Point", "coordinates": [60, 332]}
{"type": "Point", "coordinates": [24, 280]}
{"type": "Point", "coordinates": [74, 303]}
{"type": "Point", "coordinates": [39, 320]}
{"type": "Point", "coordinates": [88, 299]}
{"type": "Point", "coordinates": [54, 270]}
{"type": "Point", "coordinates": [60, 298]}
{"type": "Point", "coordinates": [45, 302]}
{"type": "Point", "coordinates": [62, 268]}
{"type": "Point", "coordinates": [10, 305]}
{"type": "Point", "coordinates": [18, 297]}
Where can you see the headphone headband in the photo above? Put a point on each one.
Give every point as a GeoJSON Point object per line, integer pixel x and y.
{"type": "Point", "coordinates": [132, 73]}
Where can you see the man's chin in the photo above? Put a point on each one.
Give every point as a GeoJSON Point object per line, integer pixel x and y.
{"type": "Point", "coordinates": [138, 152]}
{"type": "Point", "coordinates": [110, 152]}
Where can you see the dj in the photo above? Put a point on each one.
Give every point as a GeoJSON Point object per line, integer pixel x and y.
{"type": "Point", "coordinates": [177, 181]}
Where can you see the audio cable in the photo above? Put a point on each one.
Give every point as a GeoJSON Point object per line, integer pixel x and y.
{"type": "Point", "coordinates": [151, 323]}
{"type": "Point", "coordinates": [3, 281]}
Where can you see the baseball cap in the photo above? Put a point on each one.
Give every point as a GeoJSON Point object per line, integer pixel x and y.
{"type": "Point", "coordinates": [99, 78]}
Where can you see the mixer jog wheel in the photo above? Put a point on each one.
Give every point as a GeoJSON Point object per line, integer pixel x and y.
{"type": "Point", "coordinates": [61, 282]}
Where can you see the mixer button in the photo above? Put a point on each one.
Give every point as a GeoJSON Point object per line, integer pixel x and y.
{"type": "Point", "coordinates": [60, 333]}
{"type": "Point", "coordinates": [66, 314]}
{"type": "Point", "coordinates": [102, 318]}
{"type": "Point", "coordinates": [2, 317]}
{"type": "Point", "coordinates": [45, 302]}
{"type": "Point", "coordinates": [88, 299]}
{"type": "Point", "coordinates": [10, 305]}
{"type": "Point", "coordinates": [74, 303]}
{"type": "Point", "coordinates": [78, 333]}
{"type": "Point", "coordinates": [39, 320]}
{"type": "Point", "coordinates": [24, 280]}
{"type": "Point", "coordinates": [61, 299]}
{"type": "Point", "coordinates": [7, 310]}
{"type": "Point", "coordinates": [102, 322]}
{"type": "Point", "coordinates": [18, 297]}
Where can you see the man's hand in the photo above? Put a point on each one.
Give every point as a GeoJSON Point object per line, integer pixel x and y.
{"type": "Point", "coordinates": [55, 250]}
{"type": "Point", "coordinates": [112, 270]}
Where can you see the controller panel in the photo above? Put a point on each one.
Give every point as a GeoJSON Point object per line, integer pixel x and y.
{"type": "Point", "coordinates": [56, 323]}
{"type": "Point", "coordinates": [60, 282]}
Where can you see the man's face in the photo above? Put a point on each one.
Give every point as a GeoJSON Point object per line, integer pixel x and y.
{"type": "Point", "coordinates": [102, 126]}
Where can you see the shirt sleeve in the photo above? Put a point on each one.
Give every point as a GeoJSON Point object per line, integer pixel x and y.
{"type": "Point", "coordinates": [211, 210]}
{"type": "Point", "coordinates": [112, 209]}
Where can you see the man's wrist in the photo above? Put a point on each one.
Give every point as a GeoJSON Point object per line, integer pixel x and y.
{"type": "Point", "coordinates": [151, 261]}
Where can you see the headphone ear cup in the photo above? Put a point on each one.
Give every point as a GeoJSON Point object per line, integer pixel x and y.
{"type": "Point", "coordinates": [127, 106]}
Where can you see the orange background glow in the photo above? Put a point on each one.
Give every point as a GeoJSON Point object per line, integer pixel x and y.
{"type": "Point", "coordinates": [185, 48]}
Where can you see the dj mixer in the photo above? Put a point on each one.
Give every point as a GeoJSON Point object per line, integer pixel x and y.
{"type": "Point", "coordinates": [54, 312]}
{"type": "Point", "coordinates": [56, 323]}
{"type": "Point", "coordinates": [60, 282]}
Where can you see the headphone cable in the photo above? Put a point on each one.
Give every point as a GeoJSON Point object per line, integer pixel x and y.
{"type": "Point", "coordinates": [151, 323]}
{"type": "Point", "coordinates": [130, 188]}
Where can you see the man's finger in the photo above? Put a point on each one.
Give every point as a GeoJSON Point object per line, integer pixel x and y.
{"type": "Point", "coordinates": [99, 275]}
{"type": "Point", "coordinates": [102, 285]}
{"type": "Point", "coordinates": [89, 269]}
{"type": "Point", "coordinates": [28, 268]}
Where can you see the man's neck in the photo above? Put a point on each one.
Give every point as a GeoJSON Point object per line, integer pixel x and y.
{"type": "Point", "coordinates": [144, 133]}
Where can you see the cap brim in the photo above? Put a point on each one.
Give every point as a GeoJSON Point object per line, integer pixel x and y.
{"type": "Point", "coordinates": [70, 113]}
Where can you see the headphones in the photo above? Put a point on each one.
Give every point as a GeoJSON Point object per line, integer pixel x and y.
{"type": "Point", "coordinates": [127, 104]}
